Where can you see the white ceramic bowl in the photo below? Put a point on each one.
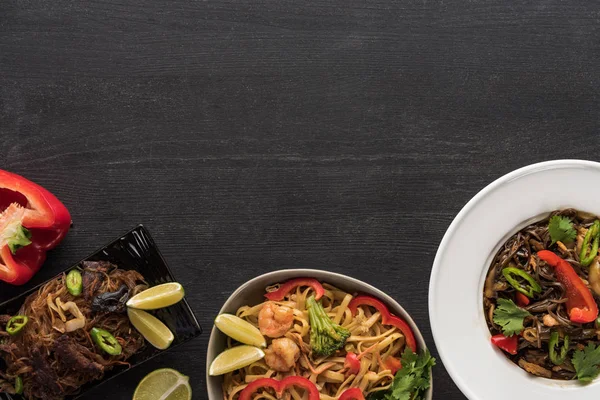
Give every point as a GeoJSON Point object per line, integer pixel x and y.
{"type": "Point", "coordinates": [252, 292]}
{"type": "Point", "coordinates": [456, 313]}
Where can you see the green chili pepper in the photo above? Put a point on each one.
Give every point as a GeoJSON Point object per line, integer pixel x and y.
{"type": "Point", "coordinates": [529, 289]}
{"type": "Point", "coordinates": [74, 282]}
{"type": "Point", "coordinates": [106, 341]}
{"type": "Point", "coordinates": [558, 359]}
{"type": "Point", "coordinates": [19, 385]}
{"type": "Point", "coordinates": [16, 324]}
{"type": "Point", "coordinates": [587, 254]}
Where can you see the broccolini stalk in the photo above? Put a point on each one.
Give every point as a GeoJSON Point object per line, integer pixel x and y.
{"type": "Point", "coordinates": [325, 337]}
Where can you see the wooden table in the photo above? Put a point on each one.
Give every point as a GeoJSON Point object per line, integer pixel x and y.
{"type": "Point", "coordinates": [250, 136]}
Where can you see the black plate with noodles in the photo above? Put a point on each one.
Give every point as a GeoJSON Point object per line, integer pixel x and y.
{"type": "Point", "coordinates": [73, 341]}
{"type": "Point", "coordinates": [541, 297]}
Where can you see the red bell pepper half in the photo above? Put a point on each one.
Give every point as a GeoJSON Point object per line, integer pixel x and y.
{"type": "Point", "coordinates": [286, 287]}
{"type": "Point", "coordinates": [508, 344]}
{"type": "Point", "coordinates": [352, 394]}
{"type": "Point", "coordinates": [280, 386]}
{"type": "Point", "coordinates": [32, 221]}
{"type": "Point", "coordinates": [581, 306]}
{"type": "Point", "coordinates": [387, 318]}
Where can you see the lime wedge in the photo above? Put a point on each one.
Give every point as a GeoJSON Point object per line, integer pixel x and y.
{"type": "Point", "coordinates": [235, 358]}
{"type": "Point", "coordinates": [160, 296]}
{"type": "Point", "coordinates": [164, 384]}
{"type": "Point", "coordinates": [240, 330]}
{"type": "Point", "coordinates": [153, 330]}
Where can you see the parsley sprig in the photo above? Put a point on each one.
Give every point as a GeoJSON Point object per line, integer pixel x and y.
{"type": "Point", "coordinates": [410, 382]}
{"type": "Point", "coordinates": [587, 363]}
{"type": "Point", "coordinates": [509, 316]}
{"type": "Point", "coordinates": [561, 229]}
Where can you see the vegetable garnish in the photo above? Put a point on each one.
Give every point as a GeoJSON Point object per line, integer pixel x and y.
{"type": "Point", "coordinates": [411, 382]}
{"type": "Point", "coordinates": [18, 385]}
{"type": "Point", "coordinates": [581, 306]}
{"type": "Point", "coordinates": [352, 363]}
{"type": "Point", "coordinates": [557, 357]}
{"type": "Point", "coordinates": [529, 288]}
{"type": "Point", "coordinates": [16, 324]}
{"type": "Point", "coordinates": [510, 317]}
{"type": "Point", "coordinates": [589, 251]}
{"type": "Point", "coordinates": [286, 287]}
{"type": "Point", "coordinates": [280, 387]}
{"type": "Point", "coordinates": [508, 344]}
{"type": "Point", "coordinates": [326, 337]}
{"type": "Point", "coordinates": [352, 394]}
{"type": "Point", "coordinates": [74, 282]}
{"type": "Point", "coordinates": [587, 363]}
{"type": "Point", "coordinates": [521, 299]}
{"type": "Point", "coordinates": [387, 318]}
{"type": "Point", "coordinates": [32, 221]}
{"type": "Point", "coordinates": [106, 341]}
{"type": "Point", "coordinates": [561, 229]}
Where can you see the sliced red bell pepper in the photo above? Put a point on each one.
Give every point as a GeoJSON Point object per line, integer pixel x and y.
{"type": "Point", "coordinates": [581, 306]}
{"type": "Point", "coordinates": [508, 344]}
{"type": "Point", "coordinates": [286, 287]}
{"type": "Point", "coordinates": [32, 221]}
{"type": "Point", "coordinates": [280, 386]}
{"type": "Point", "coordinates": [393, 364]}
{"type": "Point", "coordinates": [352, 394]}
{"type": "Point", "coordinates": [521, 299]}
{"type": "Point", "coordinates": [387, 318]}
{"type": "Point", "coordinates": [352, 363]}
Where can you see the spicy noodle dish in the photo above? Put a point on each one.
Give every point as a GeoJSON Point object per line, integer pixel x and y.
{"type": "Point", "coordinates": [70, 332]}
{"type": "Point", "coordinates": [312, 340]}
{"type": "Point", "coordinates": [541, 297]}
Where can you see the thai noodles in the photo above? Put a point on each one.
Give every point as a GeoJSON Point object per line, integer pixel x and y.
{"type": "Point", "coordinates": [540, 296]}
{"type": "Point", "coordinates": [361, 352]}
{"type": "Point", "coordinates": [54, 354]}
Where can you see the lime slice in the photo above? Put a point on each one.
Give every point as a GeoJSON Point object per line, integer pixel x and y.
{"type": "Point", "coordinates": [153, 330]}
{"type": "Point", "coordinates": [164, 384]}
{"type": "Point", "coordinates": [235, 358]}
{"type": "Point", "coordinates": [240, 330]}
{"type": "Point", "coordinates": [160, 296]}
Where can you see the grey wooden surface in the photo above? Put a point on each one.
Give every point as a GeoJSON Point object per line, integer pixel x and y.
{"type": "Point", "coordinates": [250, 136]}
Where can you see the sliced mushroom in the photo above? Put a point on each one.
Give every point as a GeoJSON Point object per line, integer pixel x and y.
{"type": "Point", "coordinates": [76, 323]}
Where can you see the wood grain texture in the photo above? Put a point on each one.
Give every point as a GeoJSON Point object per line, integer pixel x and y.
{"type": "Point", "coordinates": [250, 136]}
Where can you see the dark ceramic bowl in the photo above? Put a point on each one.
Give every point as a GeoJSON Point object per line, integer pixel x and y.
{"type": "Point", "coordinates": [135, 250]}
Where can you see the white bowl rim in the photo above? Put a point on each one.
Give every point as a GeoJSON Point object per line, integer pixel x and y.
{"type": "Point", "coordinates": [329, 277]}
{"type": "Point", "coordinates": [456, 222]}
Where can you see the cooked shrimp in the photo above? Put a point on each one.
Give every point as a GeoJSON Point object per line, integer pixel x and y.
{"type": "Point", "coordinates": [282, 354]}
{"type": "Point", "coordinates": [274, 321]}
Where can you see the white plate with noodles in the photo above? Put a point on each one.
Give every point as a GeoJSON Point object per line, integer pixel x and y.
{"type": "Point", "coordinates": [284, 318]}
{"type": "Point", "coordinates": [513, 296]}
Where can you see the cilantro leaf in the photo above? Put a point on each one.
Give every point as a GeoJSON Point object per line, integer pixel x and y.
{"type": "Point", "coordinates": [411, 381]}
{"type": "Point", "coordinates": [509, 316]}
{"type": "Point", "coordinates": [587, 362]}
{"type": "Point", "coordinates": [561, 229]}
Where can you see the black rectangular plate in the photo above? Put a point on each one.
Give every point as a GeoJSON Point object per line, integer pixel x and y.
{"type": "Point", "coordinates": [135, 250]}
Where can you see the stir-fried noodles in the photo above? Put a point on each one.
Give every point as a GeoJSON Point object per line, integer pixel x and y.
{"type": "Point", "coordinates": [540, 296]}
{"type": "Point", "coordinates": [54, 354]}
{"type": "Point", "coordinates": [290, 351]}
